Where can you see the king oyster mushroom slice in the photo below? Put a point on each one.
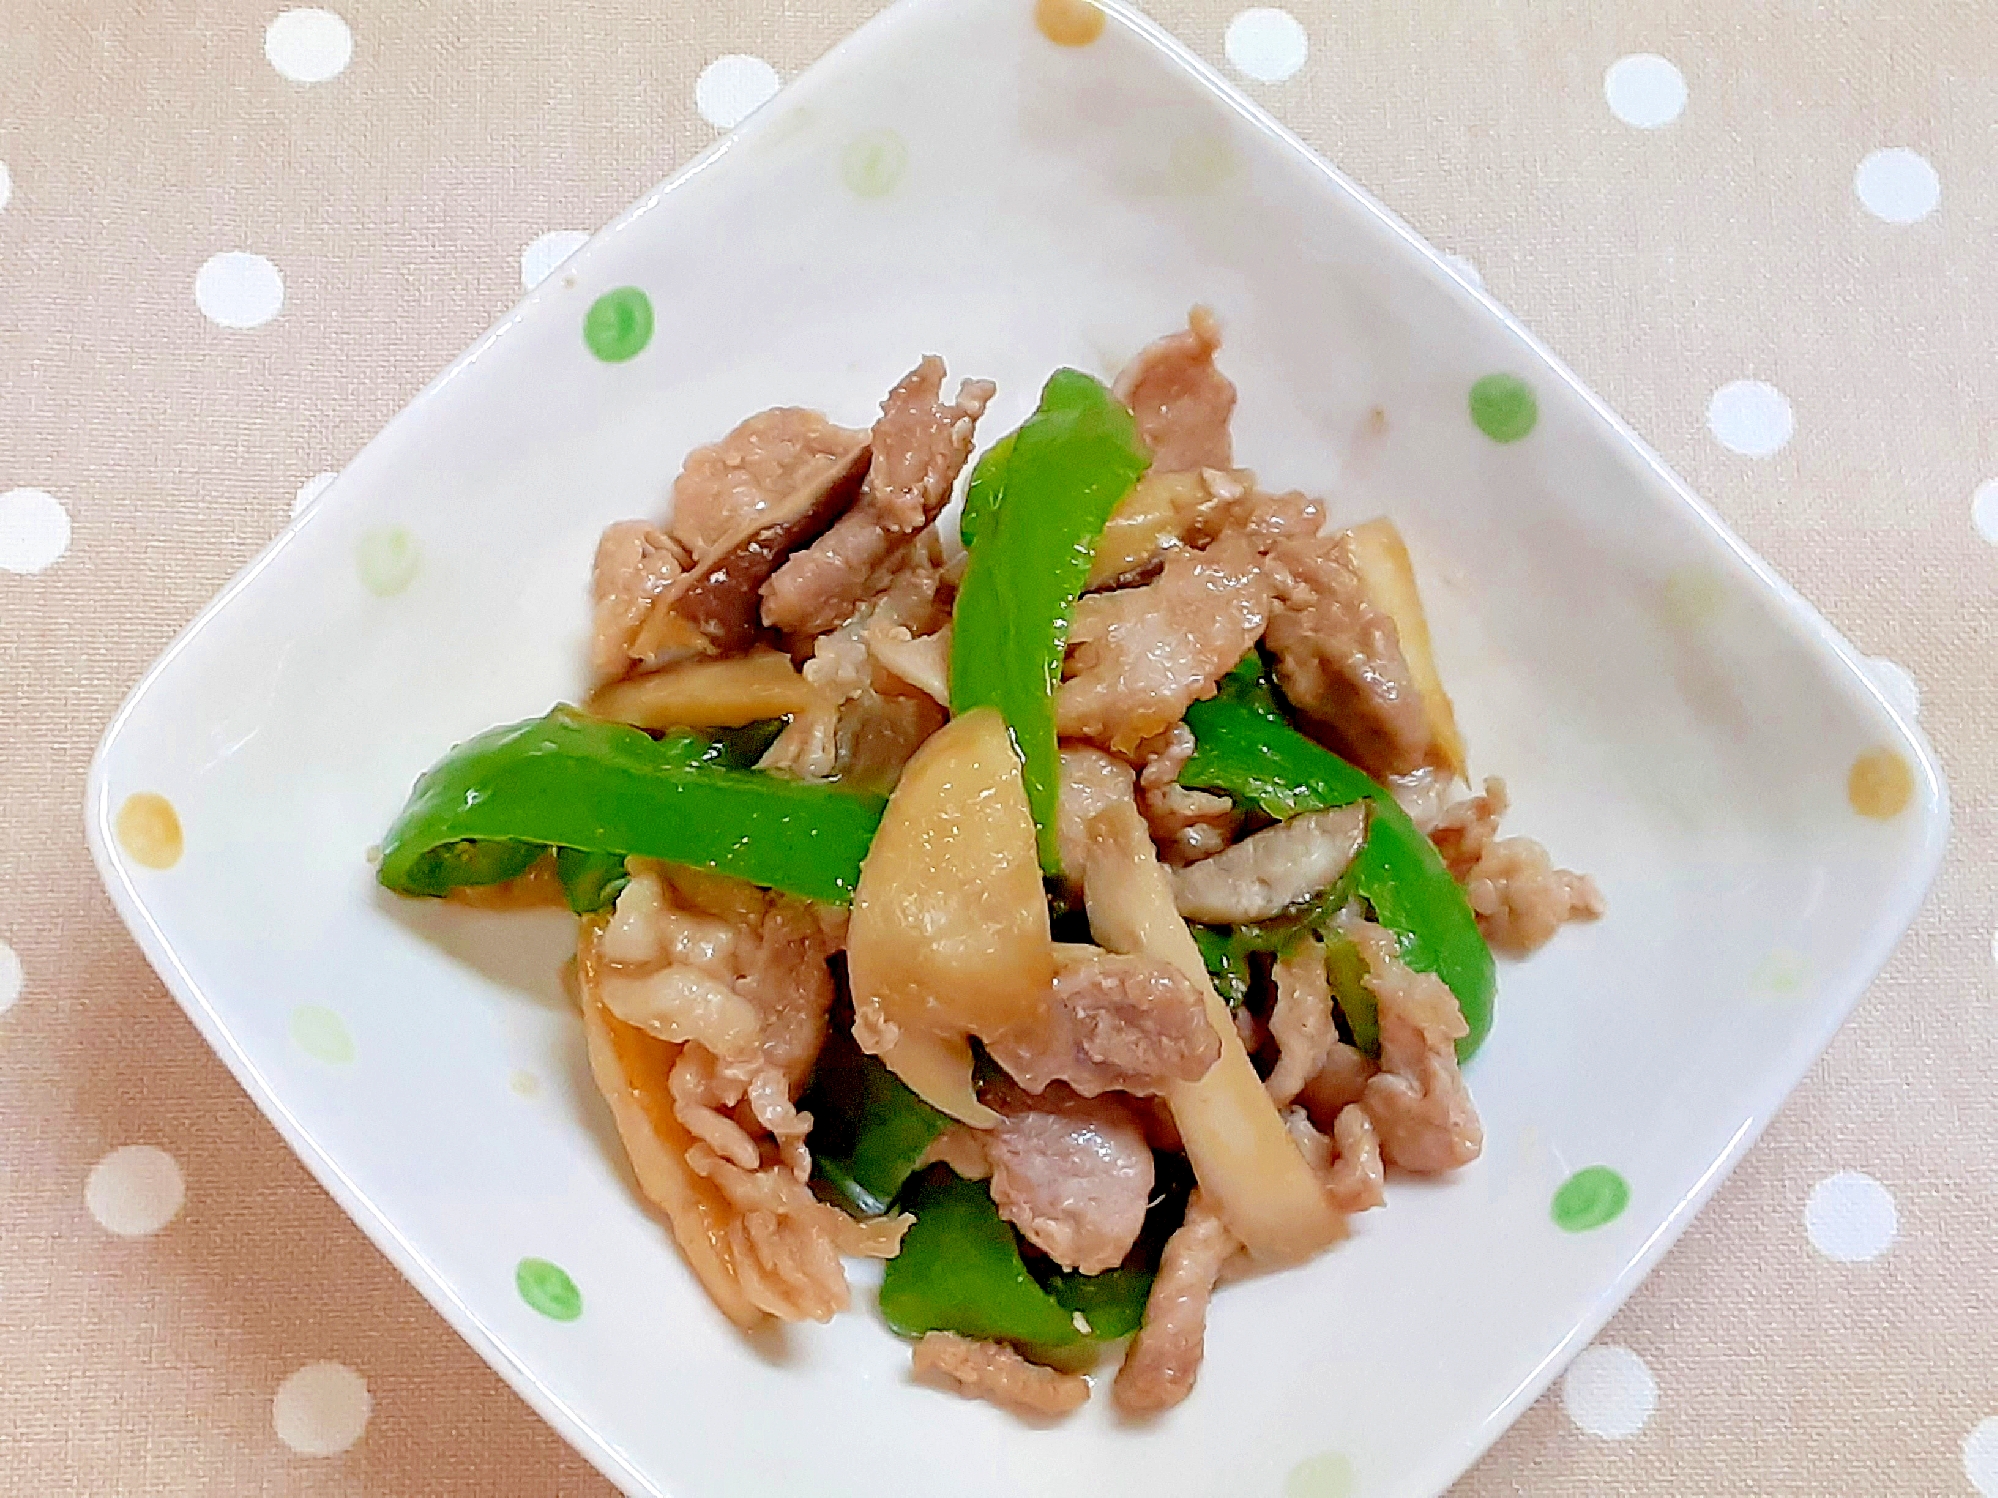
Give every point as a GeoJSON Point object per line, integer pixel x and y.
{"type": "Point", "coordinates": [1269, 871]}
{"type": "Point", "coordinates": [712, 610]}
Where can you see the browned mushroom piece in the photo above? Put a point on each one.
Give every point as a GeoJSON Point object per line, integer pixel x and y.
{"type": "Point", "coordinates": [712, 610]}
{"type": "Point", "coordinates": [1269, 871]}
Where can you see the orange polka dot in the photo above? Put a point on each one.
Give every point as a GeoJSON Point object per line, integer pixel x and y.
{"type": "Point", "coordinates": [149, 830]}
{"type": "Point", "coordinates": [1068, 23]}
{"type": "Point", "coordinates": [1881, 784]}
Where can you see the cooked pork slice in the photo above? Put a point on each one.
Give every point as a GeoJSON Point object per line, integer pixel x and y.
{"type": "Point", "coordinates": [739, 977]}
{"type": "Point", "coordinates": [1182, 402]}
{"type": "Point", "coordinates": [921, 661]}
{"type": "Point", "coordinates": [868, 720]}
{"type": "Point", "coordinates": [1301, 1021]}
{"type": "Point", "coordinates": [1187, 825]}
{"type": "Point", "coordinates": [996, 1372]}
{"type": "Point", "coordinates": [918, 448]}
{"type": "Point", "coordinates": [1165, 1356]}
{"type": "Point", "coordinates": [1418, 1102]}
{"type": "Point", "coordinates": [1348, 1163]}
{"type": "Point", "coordinates": [712, 608]}
{"type": "Point", "coordinates": [1423, 794]}
{"type": "Point", "coordinates": [1073, 1174]}
{"type": "Point", "coordinates": [1340, 1081]}
{"type": "Point", "coordinates": [699, 1136]}
{"type": "Point", "coordinates": [962, 1148]}
{"type": "Point", "coordinates": [755, 467]}
{"type": "Point", "coordinates": [1090, 781]}
{"type": "Point", "coordinates": [1113, 1023]}
{"type": "Point", "coordinates": [636, 563]}
{"type": "Point", "coordinates": [1269, 871]}
{"type": "Point", "coordinates": [1356, 1182]}
{"type": "Point", "coordinates": [1138, 657]}
{"type": "Point", "coordinates": [1520, 898]}
{"type": "Point", "coordinates": [1339, 659]}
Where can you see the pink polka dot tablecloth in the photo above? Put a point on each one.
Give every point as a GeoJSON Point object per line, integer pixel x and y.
{"type": "Point", "coordinates": [235, 239]}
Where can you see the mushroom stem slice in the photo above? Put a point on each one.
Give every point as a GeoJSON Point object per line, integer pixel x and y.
{"type": "Point", "coordinates": [712, 610]}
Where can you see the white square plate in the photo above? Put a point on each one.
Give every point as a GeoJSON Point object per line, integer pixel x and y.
{"type": "Point", "coordinates": [1671, 717]}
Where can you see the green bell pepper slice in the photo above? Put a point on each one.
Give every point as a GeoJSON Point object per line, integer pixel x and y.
{"type": "Point", "coordinates": [591, 882]}
{"type": "Point", "coordinates": [571, 781]}
{"type": "Point", "coordinates": [1033, 533]}
{"type": "Point", "coordinates": [1346, 970]}
{"type": "Point", "coordinates": [960, 1269]}
{"type": "Point", "coordinates": [1245, 747]}
{"type": "Point", "coordinates": [983, 491]}
{"type": "Point", "coordinates": [1226, 949]}
{"type": "Point", "coordinates": [471, 862]}
{"type": "Point", "coordinates": [1227, 959]}
{"type": "Point", "coordinates": [868, 1129]}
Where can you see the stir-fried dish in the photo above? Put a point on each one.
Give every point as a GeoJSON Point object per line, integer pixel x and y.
{"type": "Point", "coordinates": [1067, 911]}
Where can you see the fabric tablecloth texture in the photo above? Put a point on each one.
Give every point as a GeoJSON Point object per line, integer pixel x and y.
{"type": "Point", "coordinates": [235, 240]}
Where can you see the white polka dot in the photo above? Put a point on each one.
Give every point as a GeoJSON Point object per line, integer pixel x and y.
{"type": "Point", "coordinates": [309, 45]}
{"type": "Point", "coordinates": [1464, 267]}
{"type": "Point", "coordinates": [1750, 417]}
{"type": "Point", "coordinates": [238, 290]}
{"type": "Point", "coordinates": [310, 490]}
{"type": "Point", "coordinates": [34, 530]}
{"type": "Point", "coordinates": [1851, 1217]}
{"type": "Point", "coordinates": [1609, 1392]}
{"type": "Point", "coordinates": [1267, 44]}
{"type": "Point", "coordinates": [543, 254]}
{"type": "Point", "coordinates": [6, 184]}
{"type": "Point", "coordinates": [11, 977]}
{"type": "Point", "coordinates": [1897, 185]}
{"type": "Point", "coordinates": [1645, 90]}
{"type": "Point", "coordinates": [322, 1409]}
{"type": "Point", "coordinates": [1984, 510]}
{"type": "Point", "coordinates": [1980, 1456]}
{"type": "Point", "coordinates": [732, 88]}
{"type": "Point", "coordinates": [134, 1190]}
{"type": "Point", "coordinates": [1901, 688]}
{"type": "Point", "coordinates": [1994, 947]}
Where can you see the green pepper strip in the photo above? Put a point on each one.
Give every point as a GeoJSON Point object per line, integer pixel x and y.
{"type": "Point", "coordinates": [869, 1132]}
{"type": "Point", "coordinates": [868, 1129]}
{"type": "Point", "coordinates": [1226, 949]}
{"type": "Point", "coordinates": [960, 1269]}
{"type": "Point", "coordinates": [590, 881]}
{"type": "Point", "coordinates": [572, 781]}
{"type": "Point", "coordinates": [1244, 746]}
{"type": "Point", "coordinates": [1064, 472]}
{"type": "Point", "coordinates": [1113, 1302]}
{"type": "Point", "coordinates": [474, 861]}
{"type": "Point", "coordinates": [1227, 960]}
{"type": "Point", "coordinates": [982, 493]}
{"type": "Point", "coordinates": [1346, 968]}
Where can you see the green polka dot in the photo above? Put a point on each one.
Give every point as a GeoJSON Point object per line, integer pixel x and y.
{"type": "Point", "coordinates": [387, 558]}
{"type": "Point", "coordinates": [1781, 973]}
{"type": "Point", "coordinates": [322, 1035]}
{"type": "Point", "coordinates": [873, 163]}
{"type": "Point", "coordinates": [1504, 407]}
{"type": "Point", "coordinates": [619, 324]}
{"type": "Point", "coordinates": [1590, 1198]}
{"type": "Point", "coordinates": [548, 1289]}
{"type": "Point", "coordinates": [1327, 1475]}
